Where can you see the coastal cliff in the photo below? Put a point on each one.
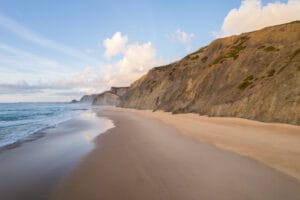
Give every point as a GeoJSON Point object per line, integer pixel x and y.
{"type": "Point", "coordinates": [110, 97]}
{"type": "Point", "coordinates": [86, 99]}
{"type": "Point", "coordinates": [253, 75]}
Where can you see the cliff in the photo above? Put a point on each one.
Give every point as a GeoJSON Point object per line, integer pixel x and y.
{"type": "Point", "coordinates": [253, 75]}
{"type": "Point", "coordinates": [106, 98]}
{"type": "Point", "coordinates": [120, 91]}
{"type": "Point", "coordinates": [110, 97]}
{"type": "Point", "coordinates": [88, 99]}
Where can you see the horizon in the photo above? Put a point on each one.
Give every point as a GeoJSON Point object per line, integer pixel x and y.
{"type": "Point", "coordinates": [51, 53]}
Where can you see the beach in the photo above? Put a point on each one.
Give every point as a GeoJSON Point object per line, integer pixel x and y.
{"type": "Point", "coordinates": [274, 144]}
{"type": "Point", "coordinates": [150, 100]}
{"type": "Point", "coordinates": [162, 156]}
{"type": "Point", "coordinates": [33, 168]}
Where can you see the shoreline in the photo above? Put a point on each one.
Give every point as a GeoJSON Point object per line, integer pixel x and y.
{"type": "Point", "coordinates": [33, 169]}
{"type": "Point", "coordinates": [144, 157]}
{"type": "Point", "coordinates": [30, 138]}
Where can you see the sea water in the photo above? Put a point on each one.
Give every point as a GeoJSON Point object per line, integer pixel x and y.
{"type": "Point", "coordinates": [20, 121]}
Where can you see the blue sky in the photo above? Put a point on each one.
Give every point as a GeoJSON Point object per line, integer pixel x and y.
{"type": "Point", "coordinates": [54, 50]}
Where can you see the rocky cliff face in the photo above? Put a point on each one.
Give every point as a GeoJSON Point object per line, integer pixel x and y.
{"type": "Point", "coordinates": [106, 98]}
{"type": "Point", "coordinates": [120, 91]}
{"type": "Point", "coordinates": [111, 97]}
{"type": "Point", "coordinates": [88, 99]}
{"type": "Point", "coordinates": [253, 75]}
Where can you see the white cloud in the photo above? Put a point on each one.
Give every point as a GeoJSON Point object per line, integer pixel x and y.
{"type": "Point", "coordinates": [134, 61]}
{"type": "Point", "coordinates": [83, 79]}
{"type": "Point", "coordinates": [253, 15]}
{"type": "Point", "coordinates": [182, 36]}
{"type": "Point", "coordinates": [137, 59]}
{"type": "Point", "coordinates": [57, 74]}
{"type": "Point", "coordinates": [19, 87]}
{"type": "Point", "coordinates": [83, 82]}
{"type": "Point", "coordinates": [115, 45]}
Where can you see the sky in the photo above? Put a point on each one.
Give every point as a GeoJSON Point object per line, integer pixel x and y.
{"type": "Point", "coordinates": [54, 50]}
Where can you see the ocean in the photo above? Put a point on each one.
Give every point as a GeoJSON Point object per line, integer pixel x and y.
{"type": "Point", "coordinates": [21, 121]}
{"type": "Point", "coordinates": [42, 143]}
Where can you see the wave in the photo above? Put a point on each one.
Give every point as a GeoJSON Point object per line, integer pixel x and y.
{"type": "Point", "coordinates": [20, 121]}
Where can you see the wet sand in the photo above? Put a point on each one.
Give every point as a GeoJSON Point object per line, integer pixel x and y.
{"type": "Point", "coordinates": [32, 170]}
{"type": "Point", "coordinates": [146, 158]}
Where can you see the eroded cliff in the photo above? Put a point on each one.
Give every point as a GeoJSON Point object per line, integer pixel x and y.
{"type": "Point", "coordinates": [253, 75]}
{"type": "Point", "coordinates": [110, 97]}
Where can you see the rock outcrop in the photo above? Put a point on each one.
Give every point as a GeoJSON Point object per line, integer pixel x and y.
{"type": "Point", "coordinates": [74, 101]}
{"type": "Point", "coordinates": [253, 75]}
{"type": "Point", "coordinates": [120, 91]}
{"type": "Point", "coordinates": [88, 99]}
{"type": "Point", "coordinates": [110, 97]}
{"type": "Point", "coordinates": [106, 98]}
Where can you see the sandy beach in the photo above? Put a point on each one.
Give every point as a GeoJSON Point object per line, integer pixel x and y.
{"type": "Point", "coordinates": [33, 169]}
{"type": "Point", "coordinates": [162, 156]}
{"type": "Point", "coordinates": [276, 145]}
{"type": "Point", "coordinates": [150, 100]}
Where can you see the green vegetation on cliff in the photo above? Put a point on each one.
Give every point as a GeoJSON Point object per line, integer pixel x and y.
{"type": "Point", "coordinates": [253, 75]}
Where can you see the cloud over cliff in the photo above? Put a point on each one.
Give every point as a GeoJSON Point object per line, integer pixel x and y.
{"type": "Point", "coordinates": [136, 59]}
{"type": "Point", "coordinates": [253, 15]}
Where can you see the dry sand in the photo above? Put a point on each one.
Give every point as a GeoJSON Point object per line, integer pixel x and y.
{"type": "Point", "coordinates": [143, 158]}
{"type": "Point", "coordinates": [276, 145]}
